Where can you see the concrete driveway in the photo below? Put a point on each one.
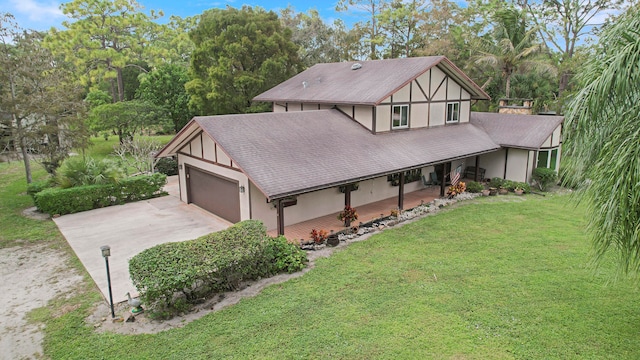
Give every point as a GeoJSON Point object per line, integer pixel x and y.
{"type": "Point", "coordinates": [128, 229]}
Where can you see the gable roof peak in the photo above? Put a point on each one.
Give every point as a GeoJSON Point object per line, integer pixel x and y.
{"type": "Point", "coordinates": [366, 82]}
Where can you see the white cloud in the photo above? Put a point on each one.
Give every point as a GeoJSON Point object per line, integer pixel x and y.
{"type": "Point", "coordinates": [37, 11]}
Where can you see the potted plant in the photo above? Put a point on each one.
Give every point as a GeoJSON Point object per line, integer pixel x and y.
{"type": "Point", "coordinates": [518, 190]}
{"type": "Point", "coordinates": [318, 236]}
{"type": "Point", "coordinates": [503, 190]}
{"type": "Point", "coordinates": [493, 191]}
{"type": "Point", "coordinates": [348, 215]}
{"type": "Point", "coordinates": [486, 192]}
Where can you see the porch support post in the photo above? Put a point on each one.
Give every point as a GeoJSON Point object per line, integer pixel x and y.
{"type": "Point", "coordinates": [401, 192]}
{"type": "Point", "coordinates": [477, 168]}
{"type": "Point", "coordinates": [280, 208]}
{"type": "Point", "coordinates": [347, 195]}
{"type": "Point", "coordinates": [442, 179]}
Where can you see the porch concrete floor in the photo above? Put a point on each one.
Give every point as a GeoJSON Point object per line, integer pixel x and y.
{"type": "Point", "coordinates": [366, 213]}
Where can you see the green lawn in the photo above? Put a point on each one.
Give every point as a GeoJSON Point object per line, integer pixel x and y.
{"type": "Point", "coordinates": [488, 279]}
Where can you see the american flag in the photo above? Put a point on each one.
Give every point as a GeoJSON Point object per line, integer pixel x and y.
{"type": "Point", "coordinates": [455, 175]}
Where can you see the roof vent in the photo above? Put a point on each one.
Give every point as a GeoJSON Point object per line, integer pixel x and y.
{"type": "Point", "coordinates": [356, 66]}
{"type": "Point", "coordinates": [305, 84]}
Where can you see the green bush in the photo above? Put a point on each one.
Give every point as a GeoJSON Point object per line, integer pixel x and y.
{"type": "Point", "coordinates": [168, 275]}
{"type": "Point", "coordinates": [37, 186]}
{"type": "Point", "coordinates": [78, 171]}
{"type": "Point", "coordinates": [81, 198]}
{"type": "Point", "coordinates": [496, 182]}
{"type": "Point", "coordinates": [167, 166]}
{"type": "Point", "coordinates": [544, 177]}
{"type": "Point", "coordinates": [288, 257]}
{"type": "Point", "coordinates": [474, 187]}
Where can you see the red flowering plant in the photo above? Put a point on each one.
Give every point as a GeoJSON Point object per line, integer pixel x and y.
{"type": "Point", "coordinates": [348, 215]}
{"type": "Point", "coordinates": [456, 189]}
{"type": "Point", "coordinates": [318, 236]}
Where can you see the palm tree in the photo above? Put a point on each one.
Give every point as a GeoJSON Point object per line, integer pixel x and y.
{"type": "Point", "coordinates": [512, 48]}
{"type": "Point", "coordinates": [601, 152]}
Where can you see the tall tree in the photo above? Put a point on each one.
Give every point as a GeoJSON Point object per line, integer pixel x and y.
{"type": "Point", "coordinates": [37, 92]}
{"type": "Point", "coordinates": [238, 54]}
{"type": "Point", "coordinates": [171, 42]}
{"type": "Point", "coordinates": [601, 155]}
{"type": "Point", "coordinates": [563, 24]}
{"type": "Point", "coordinates": [126, 118]}
{"type": "Point", "coordinates": [401, 21]}
{"type": "Point", "coordinates": [316, 40]}
{"type": "Point", "coordinates": [105, 37]}
{"type": "Point", "coordinates": [369, 27]}
{"type": "Point", "coordinates": [512, 47]}
{"type": "Point", "coordinates": [164, 86]}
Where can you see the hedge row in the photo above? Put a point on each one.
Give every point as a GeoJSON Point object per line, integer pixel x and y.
{"type": "Point", "coordinates": [81, 198]}
{"type": "Point", "coordinates": [172, 277]}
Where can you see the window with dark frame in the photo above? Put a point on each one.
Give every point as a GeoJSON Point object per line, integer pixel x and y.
{"type": "Point", "coordinates": [453, 112]}
{"type": "Point", "coordinates": [400, 117]}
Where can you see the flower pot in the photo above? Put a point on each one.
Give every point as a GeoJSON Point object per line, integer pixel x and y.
{"type": "Point", "coordinates": [485, 192]}
{"type": "Point", "coordinates": [518, 192]}
{"type": "Point", "coordinates": [493, 191]}
{"type": "Point", "coordinates": [503, 191]}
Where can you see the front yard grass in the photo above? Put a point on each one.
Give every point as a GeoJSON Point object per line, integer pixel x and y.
{"type": "Point", "coordinates": [489, 279]}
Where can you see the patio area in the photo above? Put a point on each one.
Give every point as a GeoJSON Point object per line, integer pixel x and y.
{"type": "Point", "coordinates": [366, 213]}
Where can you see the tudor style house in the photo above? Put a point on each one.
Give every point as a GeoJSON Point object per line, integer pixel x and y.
{"type": "Point", "coordinates": [374, 123]}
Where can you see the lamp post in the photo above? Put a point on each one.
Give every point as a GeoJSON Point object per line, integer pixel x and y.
{"type": "Point", "coordinates": [106, 252]}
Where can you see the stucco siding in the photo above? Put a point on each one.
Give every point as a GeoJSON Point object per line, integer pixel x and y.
{"type": "Point", "coordinates": [279, 108]}
{"type": "Point", "coordinates": [416, 93]}
{"type": "Point", "coordinates": [453, 90]}
{"type": "Point", "coordinates": [402, 95]}
{"type": "Point", "coordinates": [557, 136]}
{"type": "Point", "coordinates": [517, 165]}
{"type": "Point", "coordinates": [215, 169]}
{"type": "Point", "coordinates": [260, 209]}
{"type": "Point", "coordinates": [383, 118]}
{"type": "Point", "coordinates": [493, 163]}
{"type": "Point", "coordinates": [438, 111]}
{"type": "Point", "coordinates": [364, 115]}
{"type": "Point", "coordinates": [196, 146]}
{"type": "Point", "coordinates": [438, 87]}
{"type": "Point", "coordinates": [222, 157]}
{"type": "Point", "coordinates": [291, 107]}
{"type": "Point", "coordinates": [209, 148]}
{"type": "Point", "coordinates": [419, 115]}
{"type": "Point", "coordinates": [465, 111]}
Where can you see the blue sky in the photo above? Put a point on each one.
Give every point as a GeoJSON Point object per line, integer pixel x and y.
{"type": "Point", "coordinates": [43, 14]}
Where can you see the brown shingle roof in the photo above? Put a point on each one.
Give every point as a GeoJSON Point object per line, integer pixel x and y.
{"type": "Point", "coordinates": [336, 83]}
{"type": "Point", "coordinates": [520, 131]}
{"type": "Point", "coordinates": [292, 153]}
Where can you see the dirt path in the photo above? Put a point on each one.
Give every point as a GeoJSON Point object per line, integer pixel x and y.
{"type": "Point", "coordinates": [30, 276]}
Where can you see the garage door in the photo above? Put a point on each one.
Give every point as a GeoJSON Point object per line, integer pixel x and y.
{"type": "Point", "coordinates": [213, 193]}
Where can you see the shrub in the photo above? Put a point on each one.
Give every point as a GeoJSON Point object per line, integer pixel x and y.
{"type": "Point", "coordinates": [544, 177]}
{"type": "Point", "coordinates": [169, 274]}
{"type": "Point", "coordinates": [287, 257]}
{"type": "Point", "coordinates": [497, 182]}
{"type": "Point", "coordinates": [77, 171]}
{"type": "Point", "coordinates": [524, 186]}
{"type": "Point", "coordinates": [318, 236]}
{"type": "Point", "coordinates": [37, 186]}
{"type": "Point", "coordinates": [82, 198]}
{"type": "Point", "coordinates": [474, 187]}
{"type": "Point", "coordinates": [167, 166]}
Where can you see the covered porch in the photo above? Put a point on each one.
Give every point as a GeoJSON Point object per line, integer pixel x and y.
{"type": "Point", "coordinates": [366, 213]}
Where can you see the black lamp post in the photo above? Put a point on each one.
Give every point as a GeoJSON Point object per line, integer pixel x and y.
{"type": "Point", "coordinates": [106, 252]}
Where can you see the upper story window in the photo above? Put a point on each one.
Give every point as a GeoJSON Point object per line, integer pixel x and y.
{"type": "Point", "coordinates": [453, 112]}
{"type": "Point", "coordinates": [400, 117]}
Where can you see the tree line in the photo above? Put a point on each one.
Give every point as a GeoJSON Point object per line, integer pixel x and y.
{"type": "Point", "coordinates": [114, 69]}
